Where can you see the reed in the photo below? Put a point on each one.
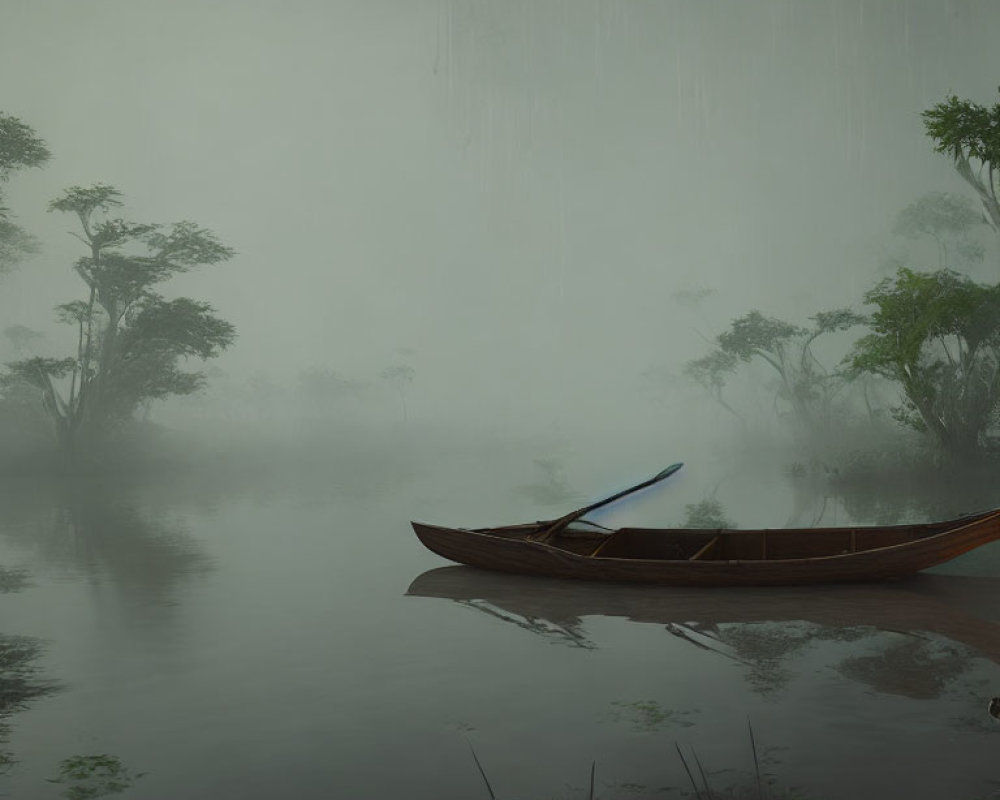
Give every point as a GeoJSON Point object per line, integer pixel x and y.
{"type": "Point", "coordinates": [702, 792]}
{"type": "Point", "coordinates": [489, 788]}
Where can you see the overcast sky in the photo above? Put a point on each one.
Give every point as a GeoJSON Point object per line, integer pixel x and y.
{"type": "Point", "coordinates": [510, 189]}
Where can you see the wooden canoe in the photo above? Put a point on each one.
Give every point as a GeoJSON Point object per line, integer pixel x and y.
{"type": "Point", "coordinates": [698, 557]}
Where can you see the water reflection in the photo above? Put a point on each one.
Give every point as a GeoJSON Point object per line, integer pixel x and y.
{"type": "Point", "coordinates": [13, 579]}
{"type": "Point", "coordinates": [566, 630]}
{"type": "Point", "coordinates": [93, 529]}
{"type": "Point", "coordinates": [918, 667]}
{"type": "Point", "coordinates": [871, 491]}
{"type": "Point", "coordinates": [20, 683]}
{"type": "Point", "coordinates": [911, 638]}
{"type": "Point", "coordinates": [20, 677]}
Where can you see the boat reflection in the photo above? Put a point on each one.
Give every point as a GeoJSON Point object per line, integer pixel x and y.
{"type": "Point", "coordinates": [925, 630]}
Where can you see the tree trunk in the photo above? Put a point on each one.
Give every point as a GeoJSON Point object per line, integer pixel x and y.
{"type": "Point", "coordinates": [66, 440]}
{"type": "Point", "coordinates": [986, 194]}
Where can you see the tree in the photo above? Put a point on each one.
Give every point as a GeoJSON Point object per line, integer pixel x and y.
{"type": "Point", "coordinates": [804, 384]}
{"type": "Point", "coordinates": [711, 372]}
{"type": "Point", "coordinates": [131, 341]}
{"type": "Point", "coordinates": [936, 335]}
{"type": "Point", "coordinates": [970, 134]}
{"type": "Point", "coordinates": [707, 513]}
{"type": "Point", "coordinates": [400, 375]}
{"type": "Point", "coordinates": [20, 148]}
{"type": "Point", "coordinates": [946, 218]}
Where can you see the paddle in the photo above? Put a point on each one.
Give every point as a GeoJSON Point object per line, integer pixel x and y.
{"type": "Point", "coordinates": [557, 525]}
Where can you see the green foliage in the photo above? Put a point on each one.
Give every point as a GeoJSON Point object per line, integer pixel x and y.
{"type": "Point", "coordinates": [837, 320]}
{"type": "Point", "coordinates": [187, 245]}
{"type": "Point", "coordinates": [754, 334]}
{"type": "Point", "coordinates": [20, 148]}
{"type": "Point", "coordinates": [937, 335]}
{"type": "Point", "coordinates": [963, 129]}
{"type": "Point", "coordinates": [179, 328]}
{"type": "Point", "coordinates": [131, 341]}
{"type": "Point", "coordinates": [84, 201]}
{"type": "Point", "coordinates": [949, 220]}
{"type": "Point", "coordinates": [38, 371]}
{"type": "Point", "coordinates": [707, 513]}
{"type": "Point", "coordinates": [969, 132]}
{"type": "Point", "coordinates": [938, 213]}
{"type": "Point", "coordinates": [804, 384]}
{"type": "Point", "coordinates": [74, 312]}
{"type": "Point", "coordinates": [91, 777]}
{"type": "Point", "coordinates": [15, 243]}
{"type": "Point", "coordinates": [710, 371]}
{"type": "Point", "coordinates": [151, 343]}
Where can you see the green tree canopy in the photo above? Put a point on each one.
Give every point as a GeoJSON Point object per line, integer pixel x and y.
{"type": "Point", "coordinates": [131, 341]}
{"type": "Point", "coordinates": [970, 134]}
{"type": "Point", "coordinates": [804, 384]}
{"type": "Point", "coordinates": [711, 373]}
{"type": "Point", "coordinates": [949, 220]}
{"type": "Point", "coordinates": [20, 148]}
{"type": "Point", "coordinates": [937, 336]}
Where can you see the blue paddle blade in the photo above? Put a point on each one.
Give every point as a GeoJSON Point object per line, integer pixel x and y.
{"type": "Point", "coordinates": [668, 471]}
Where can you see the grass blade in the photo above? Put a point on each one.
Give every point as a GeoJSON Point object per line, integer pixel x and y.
{"type": "Point", "coordinates": [687, 769]}
{"type": "Point", "coordinates": [704, 778]}
{"type": "Point", "coordinates": [756, 761]}
{"type": "Point", "coordinates": [483, 773]}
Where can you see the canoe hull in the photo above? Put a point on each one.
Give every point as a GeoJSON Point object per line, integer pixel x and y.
{"type": "Point", "coordinates": [487, 550]}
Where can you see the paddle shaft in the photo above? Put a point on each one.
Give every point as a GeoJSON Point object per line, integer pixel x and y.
{"type": "Point", "coordinates": [557, 525]}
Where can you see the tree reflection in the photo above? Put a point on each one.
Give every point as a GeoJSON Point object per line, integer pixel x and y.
{"type": "Point", "coordinates": [89, 529]}
{"type": "Point", "coordinates": [914, 667]}
{"type": "Point", "coordinates": [550, 488]}
{"type": "Point", "coordinates": [921, 639]}
{"type": "Point", "coordinates": [20, 683]}
{"type": "Point", "coordinates": [874, 491]}
{"type": "Point", "coordinates": [887, 488]}
{"type": "Point", "coordinates": [13, 579]}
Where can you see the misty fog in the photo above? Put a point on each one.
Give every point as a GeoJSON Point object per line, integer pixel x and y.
{"type": "Point", "coordinates": [503, 195]}
{"type": "Point", "coordinates": [478, 246]}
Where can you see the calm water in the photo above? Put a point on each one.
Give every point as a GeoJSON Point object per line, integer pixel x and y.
{"type": "Point", "coordinates": [288, 637]}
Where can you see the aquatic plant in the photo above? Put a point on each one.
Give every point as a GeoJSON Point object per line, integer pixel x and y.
{"type": "Point", "coordinates": [91, 777]}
